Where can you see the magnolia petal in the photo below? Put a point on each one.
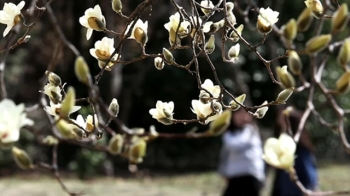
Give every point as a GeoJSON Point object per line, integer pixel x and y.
{"type": "Point", "coordinates": [21, 5]}
{"type": "Point", "coordinates": [88, 33]}
{"type": "Point", "coordinates": [287, 144]}
{"type": "Point", "coordinates": [7, 30]}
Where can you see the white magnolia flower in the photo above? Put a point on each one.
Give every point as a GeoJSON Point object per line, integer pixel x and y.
{"type": "Point", "coordinates": [203, 110]}
{"type": "Point", "coordinates": [12, 119]}
{"type": "Point", "coordinates": [93, 20]}
{"type": "Point", "coordinates": [280, 152]}
{"type": "Point", "coordinates": [10, 15]}
{"type": "Point", "coordinates": [267, 17]}
{"type": "Point", "coordinates": [233, 52]}
{"type": "Point", "coordinates": [207, 4]}
{"type": "Point", "coordinates": [54, 92]}
{"type": "Point", "coordinates": [163, 110]}
{"type": "Point", "coordinates": [103, 50]}
{"type": "Point", "coordinates": [174, 22]}
{"type": "Point", "coordinates": [213, 89]}
{"type": "Point", "coordinates": [88, 125]}
{"type": "Point", "coordinates": [139, 31]}
{"type": "Point", "coordinates": [54, 109]}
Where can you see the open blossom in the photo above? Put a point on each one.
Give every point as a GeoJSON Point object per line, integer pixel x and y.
{"type": "Point", "coordinates": [163, 112]}
{"type": "Point", "coordinates": [12, 119]}
{"type": "Point", "coordinates": [54, 109]}
{"type": "Point", "coordinates": [267, 17]}
{"type": "Point", "coordinates": [280, 152]}
{"type": "Point", "coordinates": [10, 15]}
{"type": "Point", "coordinates": [103, 50]}
{"type": "Point", "coordinates": [174, 23]}
{"type": "Point", "coordinates": [88, 125]}
{"type": "Point", "coordinates": [139, 31]}
{"type": "Point", "coordinates": [53, 92]}
{"type": "Point", "coordinates": [213, 89]}
{"type": "Point", "coordinates": [203, 110]}
{"type": "Point", "coordinates": [93, 20]}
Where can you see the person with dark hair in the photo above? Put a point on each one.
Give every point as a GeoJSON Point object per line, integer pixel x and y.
{"type": "Point", "coordinates": [305, 162]}
{"type": "Point", "coordinates": [241, 162]}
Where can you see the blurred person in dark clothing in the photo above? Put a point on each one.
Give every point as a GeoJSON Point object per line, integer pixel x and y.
{"type": "Point", "coordinates": [305, 162]}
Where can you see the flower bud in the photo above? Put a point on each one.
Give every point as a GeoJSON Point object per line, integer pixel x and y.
{"type": "Point", "coordinates": [318, 43]}
{"type": "Point", "coordinates": [260, 112]}
{"type": "Point", "coordinates": [116, 144]}
{"type": "Point", "coordinates": [286, 79]}
{"type": "Point", "coordinates": [153, 134]}
{"type": "Point", "coordinates": [234, 36]}
{"type": "Point", "coordinates": [210, 45]}
{"type": "Point", "coordinates": [114, 107]}
{"type": "Point", "coordinates": [22, 158]}
{"type": "Point", "coordinates": [344, 53]}
{"type": "Point", "coordinates": [159, 63]}
{"type": "Point", "coordinates": [229, 6]}
{"type": "Point", "coordinates": [340, 18]}
{"type": "Point", "coordinates": [315, 6]}
{"type": "Point", "coordinates": [117, 6]}
{"type": "Point", "coordinates": [220, 124]}
{"type": "Point", "coordinates": [168, 56]}
{"type": "Point", "coordinates": [304, 20]}
{"type": "Point", "coordinates": [53, 78]}
{"type": "Point", "coordinates": [290, 30]}
{"type": "Point", "coordinates": [235, 106]}
{"type": "Point", "coordinates": [262, 28]}
{"type": "Point", "coordinates": [65, 129]}
{"type": "Point", "coordinates": [50, 140]}
{"type": "Point", "coordinates": [294, 63]}
{"type": "Point", "coordinates": [137, 151]}
{"type": "Point", "coordinates": [96, 24]}
{"type": "Point", "coordinates": [204, 97]}
{"type": "Point", "coordinates": [233, 52]}
{"type": "Point", "coordinates": [284, 95]}
{"type": "Point", "coordinates": [216, 106]}
{"type": "Point", "coordinates": [231, 18]}
{"type": "Point", "coordinates": [343, 83]}
{"type": "Point", "coordinates": [82, 71]}
{"type": "Point", "coordinates": [68, 103]}
{"type": "Point", "coordinates": [207, 6]}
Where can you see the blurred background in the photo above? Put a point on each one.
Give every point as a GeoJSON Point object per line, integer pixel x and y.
{"type": "Point", "coordinates": [172, 166]}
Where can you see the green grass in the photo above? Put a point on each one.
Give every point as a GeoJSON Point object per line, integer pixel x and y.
{"type": "Point", "coordinates": [332, 177]}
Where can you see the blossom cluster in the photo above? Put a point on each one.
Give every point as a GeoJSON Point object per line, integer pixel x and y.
{"type": "Point", "coordinates": [209, 105]}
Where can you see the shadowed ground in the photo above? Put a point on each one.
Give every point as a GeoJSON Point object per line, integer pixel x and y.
{"type": "Point", "coordinates": [332, 177]}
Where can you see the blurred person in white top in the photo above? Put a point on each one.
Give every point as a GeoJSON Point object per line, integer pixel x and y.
{"type": "Point", "coordinates": [241, 162]}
